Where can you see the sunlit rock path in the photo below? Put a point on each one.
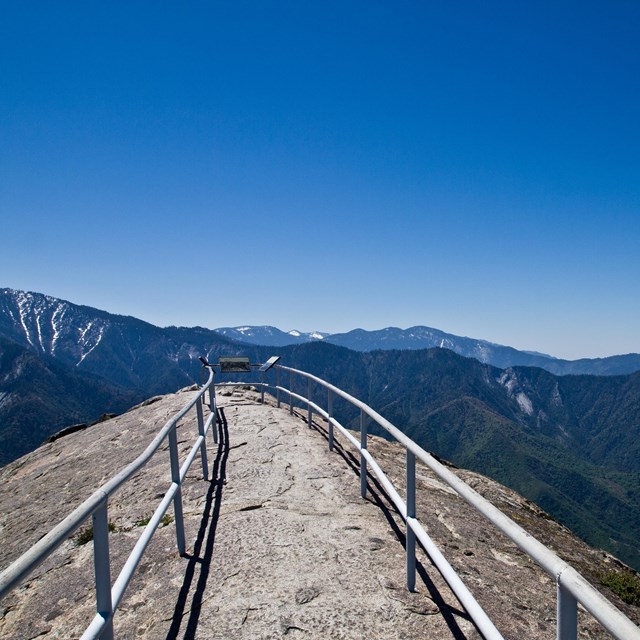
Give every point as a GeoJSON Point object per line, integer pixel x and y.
{"type": "Point", "coordinates": [296, 552]}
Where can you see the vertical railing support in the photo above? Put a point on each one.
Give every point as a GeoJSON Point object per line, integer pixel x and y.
{"type": "Point", "coordinates": [567, 614]}
{"type": "Point", "coordinates": [203, 446]}
{"type": "Point", "coordinates": [278, 386]}
{"type": "Point", "coordinates": [363, 461]}
{"type": "Point", "coordinates": [212, 391]}
{"type": "Point", "coordinates": [330, 414]}
{"type": "Point", "coordinates": [262, 375]}
{"type": "Point", "coordinates": [291, 390]}
{"type": "Point", "coordinates": [310, 410]}
{"type": "Point", "coordinates": [177, 499]}
{"type": "Point", "coordinates": [411, 513]}
{"type": "Point", "coordinates": [104, 605]}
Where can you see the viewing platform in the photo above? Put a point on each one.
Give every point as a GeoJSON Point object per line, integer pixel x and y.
{"type": "Point", "coordinates": [279, 541]}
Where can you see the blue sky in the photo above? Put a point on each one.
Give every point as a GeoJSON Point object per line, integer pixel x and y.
{"type": "Point", "coordinates": [473, 167]}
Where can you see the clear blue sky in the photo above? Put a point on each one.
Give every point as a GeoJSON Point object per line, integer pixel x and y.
{"type": "Point", "coordinates": [470, 166]}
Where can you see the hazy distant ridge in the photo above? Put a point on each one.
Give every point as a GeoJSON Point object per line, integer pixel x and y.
{"type": "Point", "coordinates": [421, 337]}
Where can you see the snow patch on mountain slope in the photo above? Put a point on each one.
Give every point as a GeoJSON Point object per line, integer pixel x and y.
{"type": "Point", "coordinates": [83, 332]}
{"type": "Point", "coordinates": [91, 341]}
{"type": "Point", "coordinates": [56, 325]}
{"type": "Point", "coordinates": [23, 303]}
{"type": "Point", "coordinates": [39, 328]}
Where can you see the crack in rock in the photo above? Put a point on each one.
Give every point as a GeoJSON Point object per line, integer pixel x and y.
{"type": "Point", "coordinates": [286, 626]}
{"type": "Point", "coordinates": [251, 507]}
{"type": "Point", "coordinates": [247, 612]}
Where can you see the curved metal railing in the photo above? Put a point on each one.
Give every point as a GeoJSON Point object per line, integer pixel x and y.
{"type": "Point", "coordinates": [572, 588]}
{"type": "Point", "coordinates": [108, 596]}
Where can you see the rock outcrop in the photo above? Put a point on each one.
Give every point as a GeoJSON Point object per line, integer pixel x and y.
{"type": "Point", "coordinates": [279, 541]}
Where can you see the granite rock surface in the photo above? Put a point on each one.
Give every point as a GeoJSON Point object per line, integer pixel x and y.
{"type": "Point", "coordinates": [279, 541]}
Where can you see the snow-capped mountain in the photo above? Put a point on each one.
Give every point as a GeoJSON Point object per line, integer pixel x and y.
{"type": "Point", "coordinates": [50, 326]}
{"type": "Point", "coordinates": [269, 336]}
{"type": "Point", "coordinates": [121, 349]}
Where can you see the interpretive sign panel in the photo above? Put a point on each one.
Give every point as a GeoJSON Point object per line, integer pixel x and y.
{"type": "Point", "coordinates": [238, 364]}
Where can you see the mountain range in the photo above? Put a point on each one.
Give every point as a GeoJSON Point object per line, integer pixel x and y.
{"type": "Point", "coordinates": [421, 337]}
{"type": "Point", "coordinates": [570, 443]}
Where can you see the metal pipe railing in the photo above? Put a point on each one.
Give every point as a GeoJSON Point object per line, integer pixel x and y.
{"type": "Point", "coordinates": [108, 596]}
{"type": "Point", "coordinates": [572, 588]}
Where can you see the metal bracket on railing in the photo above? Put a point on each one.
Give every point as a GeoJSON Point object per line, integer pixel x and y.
{"type": "Point", "coordinates": [363, 460]}
{"type": "Point", "coordinates": [411, 514]}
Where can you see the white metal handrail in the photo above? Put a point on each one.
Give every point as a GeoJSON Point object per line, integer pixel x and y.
{"type": "Point", "coordinates": [108, 596]}
{"type": "Point", "coordinates": [572, 588]}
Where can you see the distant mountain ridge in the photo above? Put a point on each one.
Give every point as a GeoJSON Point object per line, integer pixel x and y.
{"type": "Point", "coordinates": [421, 337]}
{"type": "Point", "coordinates": [41, 322]}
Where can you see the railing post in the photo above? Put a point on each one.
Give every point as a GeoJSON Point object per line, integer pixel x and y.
{"type": "Point", "coordinates": [310, 410]}
{"type": "Point", "coordinates": [363, 462]}
{"type": "Point", "coordinates": [177, 499]}
{"type": "Point", "coordinates": [212, 390]}
{"type": "Point", "coordinates": [262, 375]}
{"type": "Point", "coordinates": [411, 513]}
{"type": "Point", "coordinates": [278, 386]}
{"type": "Point", "coordinates": [291, 390]}
{"type": "Point", "coordinates": [203, 446]}
{"type": "Point", "coordinates": [104, 605]}
{"type": "Point", "coordinates": [330, 413]}
{"type": "Point", "coordinates": [567, 614]}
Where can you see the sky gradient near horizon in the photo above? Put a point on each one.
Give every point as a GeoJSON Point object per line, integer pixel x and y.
{"type": "Point", "coordinates": [473, 167]}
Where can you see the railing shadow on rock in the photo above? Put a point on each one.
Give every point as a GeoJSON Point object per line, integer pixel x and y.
{"type": "Point", "coordinates": [108, 596]}
{"type": "Point", "coordinates": [571, 587]}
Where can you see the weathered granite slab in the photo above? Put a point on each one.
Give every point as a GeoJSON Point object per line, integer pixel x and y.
{"type": "Point", "coordinates": [279, 542]}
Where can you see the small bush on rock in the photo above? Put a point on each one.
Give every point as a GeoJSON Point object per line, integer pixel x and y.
{"type": "Point", "coordinates": [625, 584]}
